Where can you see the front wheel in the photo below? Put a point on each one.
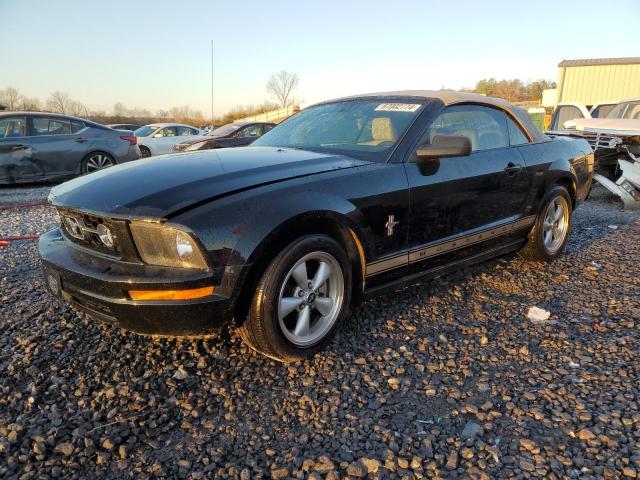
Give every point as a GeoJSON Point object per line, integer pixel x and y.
{"type": "Point", "coordinates": [97, 161]}
{"type": "Point", "coordinates": [550, 233]}
{"type": "Point", "coordinates": [300, 301]}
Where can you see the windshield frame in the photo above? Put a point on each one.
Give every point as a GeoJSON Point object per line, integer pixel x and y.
{"type": "Point", "coordinates": [383, 156]}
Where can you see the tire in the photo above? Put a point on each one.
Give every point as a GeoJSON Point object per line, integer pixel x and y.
{"type": "Point", "coordinates": [144, 151]}
{"type": "Point", "coordinates": [550, 232]}
{"type": "Point", "coordinates": [96, 161]}
{"type": "Point", "coordinates": [301, 324]}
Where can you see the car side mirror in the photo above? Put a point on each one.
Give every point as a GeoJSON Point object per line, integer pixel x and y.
{"type": "Point", "coordinates": [444, 146]}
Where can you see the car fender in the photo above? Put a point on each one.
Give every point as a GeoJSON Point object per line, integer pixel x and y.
{"type": "Point", "coordinates": [243, 236]}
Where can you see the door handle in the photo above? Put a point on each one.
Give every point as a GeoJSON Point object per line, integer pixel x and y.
{"type": "Point", "coordinates": [512, 169]}
{"type": "Point", "coordinates": [81, 140]}
{"type": "Point", "coordinates": [19, 147]}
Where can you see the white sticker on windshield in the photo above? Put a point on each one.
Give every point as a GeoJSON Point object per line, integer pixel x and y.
{"type": "Point", "coordinates": [397, 107]}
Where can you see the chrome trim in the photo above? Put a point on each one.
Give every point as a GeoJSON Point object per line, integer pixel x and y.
{"type": "Point", "coordinates": [438, 248]}
{"type": "Point", "coordinates": [383, 265]}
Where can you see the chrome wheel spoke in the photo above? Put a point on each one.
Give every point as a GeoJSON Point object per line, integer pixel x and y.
{"type": "Point", "coordinates": [289, 304]}
{"type": "Point", "coordinates": [304, 320]}
{"type": "Point", "coordinates": [324, 305]}
{"type": "Point", "coordinates": [559, 213]}
{"type": "Point", "coordinates": [548, 237]}
{"type": "Point", "coordinates": [299, 274]}
{"type": "Point", "coordinates": [321, 276]}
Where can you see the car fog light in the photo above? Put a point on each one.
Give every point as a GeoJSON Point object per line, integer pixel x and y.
{"type": "Point", "coordinates": [106, 237]}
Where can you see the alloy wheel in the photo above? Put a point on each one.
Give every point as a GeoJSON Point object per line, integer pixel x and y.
{"type": "Point", "coordinates": [556, 224]}
{"type": "Point", "coordinates": [310, 298]}
{"type": "Point", "coordinates": [98, 161]}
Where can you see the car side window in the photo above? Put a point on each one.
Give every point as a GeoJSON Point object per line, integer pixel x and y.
{"type": "Point", "coordinates": [13, 127]}
{"type": "Point", "coordinates": [516, 135]}
{"type": "Point", "coordinates": [266, 128]}
{"type": "Point", "coordinates": [50, 126]}
{"type": "Point", "coordinates": [250, 131]}
{"type": "Point", "coordinates": [563, 114]}
{"type": "Point", "coordinates": [76, 126]}
{"type": "Point", "coordinates": [485, 127]}
{"type": "Point", "coordinates": [169, 132]}
{"type": "Point", "coordinates": [185, 131]}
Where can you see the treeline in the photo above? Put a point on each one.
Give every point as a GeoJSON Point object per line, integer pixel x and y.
{"type": "Point", "coordinates": [514, 90]}
{"type": "Point", "coordinates": [61, 102]}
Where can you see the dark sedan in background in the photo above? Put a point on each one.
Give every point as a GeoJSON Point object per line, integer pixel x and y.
{"type": "Point", "coordinates": [44, 146]}
{"type": "Point", "coordinates": [238, 134]}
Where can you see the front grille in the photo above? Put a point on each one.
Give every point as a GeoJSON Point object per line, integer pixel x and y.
{"type": "Point", "coordinates": [82, 228]}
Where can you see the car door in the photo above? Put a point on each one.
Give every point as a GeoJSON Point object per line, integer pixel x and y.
{"type": "Point", "coordinates": [462, 202]}
{"type": "Point", "coordinates": [57, 147]}
{"type": "Point", "coordinates": [15, 151]}
{"type": "Point", "coordinates": [164, 140]}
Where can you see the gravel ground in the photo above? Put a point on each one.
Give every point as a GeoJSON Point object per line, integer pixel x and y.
{"type": "Point", "coordinates": [447, 379]}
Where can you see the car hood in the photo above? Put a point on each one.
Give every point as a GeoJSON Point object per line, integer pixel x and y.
{"type": "Point", "coordinates": [609, 126]}
{"type": "Point", "coordinates": [158, 187]}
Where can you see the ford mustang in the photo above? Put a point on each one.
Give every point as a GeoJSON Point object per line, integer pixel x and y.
{"type": "Point", "coordinates": [344, 200]}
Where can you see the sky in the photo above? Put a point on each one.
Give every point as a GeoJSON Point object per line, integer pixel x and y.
{"type": "Point", "coordinates": [157, 54]}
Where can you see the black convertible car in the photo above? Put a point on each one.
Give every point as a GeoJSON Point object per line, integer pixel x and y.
{"type": "Point", "coordinates": [341, 201]}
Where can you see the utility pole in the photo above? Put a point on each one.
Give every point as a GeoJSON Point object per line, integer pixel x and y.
{"type": "Point", "coordinates": [211, 82]}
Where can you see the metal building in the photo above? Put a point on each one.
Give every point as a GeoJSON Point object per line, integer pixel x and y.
{"type": "Point", "coordinates": [594, 80]}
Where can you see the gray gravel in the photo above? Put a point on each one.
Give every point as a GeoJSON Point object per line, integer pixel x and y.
{"type": "Point", "coordinates": [445, 379]}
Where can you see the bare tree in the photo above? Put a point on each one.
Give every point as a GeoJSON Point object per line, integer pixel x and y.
{"type": "Point", "coordinates": [59, 102]}
{"type": "Point", "coordinates": [78, 109]}
{"type": "Point", "coordinates": [10, 96]}
{"type": "Point", "coordinates": [281, 85]}
{"type": "Point", "coordinates": [28, 104]}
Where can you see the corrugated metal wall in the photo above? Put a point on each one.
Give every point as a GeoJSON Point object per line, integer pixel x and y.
{"type": "Point", "coordinates": [597, 83]}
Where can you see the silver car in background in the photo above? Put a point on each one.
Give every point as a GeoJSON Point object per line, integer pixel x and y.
{"type": "Point", "coordinates": [45, 146]}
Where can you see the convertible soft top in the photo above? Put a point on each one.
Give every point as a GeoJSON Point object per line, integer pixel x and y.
{"type": "Point", "coordinates": [450, 97]}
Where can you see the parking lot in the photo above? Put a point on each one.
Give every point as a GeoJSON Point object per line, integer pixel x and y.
{"type": "Point", "coordinates": [448, 378]}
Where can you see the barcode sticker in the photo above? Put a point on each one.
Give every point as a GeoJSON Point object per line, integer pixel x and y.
{"type": "Point", "coordinates": [397, 107]}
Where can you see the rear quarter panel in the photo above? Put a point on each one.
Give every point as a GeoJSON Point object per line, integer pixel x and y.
{"type": "Point", "coordinates": [560, 160]}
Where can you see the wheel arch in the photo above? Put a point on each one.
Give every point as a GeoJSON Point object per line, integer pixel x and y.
{"type": "Point", "coordinates": [333, 224]}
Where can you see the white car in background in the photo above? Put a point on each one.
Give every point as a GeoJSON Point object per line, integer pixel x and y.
{"type": "Point", "coordinates": [159, 138]}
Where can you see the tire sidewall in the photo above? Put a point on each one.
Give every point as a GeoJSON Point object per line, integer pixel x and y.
{"type": "Point", "coordinates": [538, 231]}
{"type": "Point", "coordinates": [276, 275]}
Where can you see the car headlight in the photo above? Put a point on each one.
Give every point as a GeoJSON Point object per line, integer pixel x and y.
{"type": "Point", "coordinates": [167, 246]}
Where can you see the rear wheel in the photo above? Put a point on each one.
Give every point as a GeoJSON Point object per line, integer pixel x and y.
{"type": "Point", "coordinates": [300, 301]}
{"type": "Point", "coordinates": [97, 161]}
{"type": "Point", "coordinates": [144, 151]}
{"type": "Point", "coordinates": [550, 233]}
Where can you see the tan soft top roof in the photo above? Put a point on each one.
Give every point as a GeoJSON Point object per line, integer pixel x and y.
{"type": "Point", "coordinates": [450, 97]}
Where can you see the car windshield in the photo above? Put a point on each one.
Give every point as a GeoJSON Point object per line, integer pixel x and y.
{"type": "Point", "coordinates": [629, 110]}
{"type": "Point", "coordinates": [145, 131]}
{"type": "Point", "coordinates": [363, 128]}
{"type": "Point", "coordinates": [224, 130]}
